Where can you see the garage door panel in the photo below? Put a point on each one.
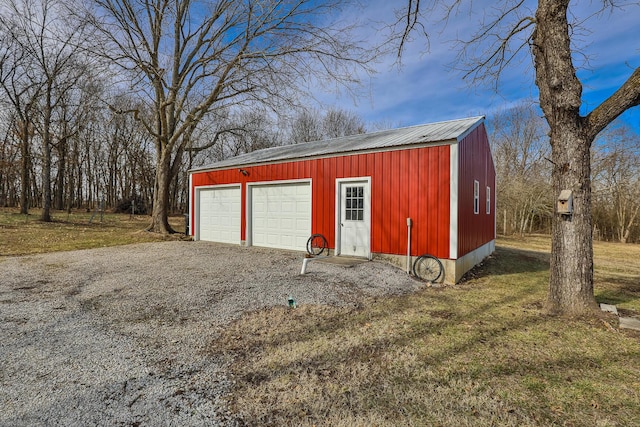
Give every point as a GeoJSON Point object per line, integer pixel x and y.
{"type": "Point", "coordinates": [220, 210]}
{"type": "Point", "coordinates": [281, 215]}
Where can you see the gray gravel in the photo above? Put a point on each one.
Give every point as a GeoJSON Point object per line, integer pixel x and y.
{"type": "Point", "coordinates": [118, 336]}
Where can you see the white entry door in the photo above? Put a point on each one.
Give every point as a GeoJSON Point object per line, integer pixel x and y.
{"type": "Point", "coordinates": [355, 218]}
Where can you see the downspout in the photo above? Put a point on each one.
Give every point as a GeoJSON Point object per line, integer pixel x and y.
{"type": "Point", "coordinates": [409, 223]}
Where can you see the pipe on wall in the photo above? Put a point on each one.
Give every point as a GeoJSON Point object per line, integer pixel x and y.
{"type": "Point", "coordinates": [409, 224]}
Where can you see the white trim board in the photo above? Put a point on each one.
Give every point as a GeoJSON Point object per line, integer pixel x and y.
{"type": "Point", "coordinates": [453, 201]}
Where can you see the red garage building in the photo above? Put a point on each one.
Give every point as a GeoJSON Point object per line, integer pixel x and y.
{"type": "Point", "coordinates": [358, 191]}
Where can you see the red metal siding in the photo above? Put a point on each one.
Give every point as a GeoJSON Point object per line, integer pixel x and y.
{"type": "Point", "coordinates": [404, 183]}
{"type": "Point", "coordinates": [475, 163]}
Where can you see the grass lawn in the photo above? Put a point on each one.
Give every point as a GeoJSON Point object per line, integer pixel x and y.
{"type": "Point", "coordinates": [25, 234]}
{"type": "Point", "coordinates": [482, 353]}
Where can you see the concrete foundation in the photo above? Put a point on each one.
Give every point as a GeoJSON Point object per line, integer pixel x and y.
{"type": "Point", "coordinates": [453, 269]}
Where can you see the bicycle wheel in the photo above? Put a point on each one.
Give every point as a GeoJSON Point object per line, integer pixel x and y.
{"type": "Point", "coordinates": [427, 268]}
{"type": "Point", "coordinates": [317, 244]}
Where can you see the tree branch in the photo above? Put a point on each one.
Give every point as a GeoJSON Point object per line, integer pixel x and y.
{"type": "Point", "coordinates": [627, 96]}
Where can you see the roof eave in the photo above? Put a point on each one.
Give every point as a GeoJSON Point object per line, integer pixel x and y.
{"type": "Point", "coordinates": [326, 156]}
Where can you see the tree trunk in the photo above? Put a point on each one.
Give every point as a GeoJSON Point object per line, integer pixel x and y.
{"type": "Point", "coordinates": [89, 174]}
{"type": "Point", "coordinates": [73, 166]}
{"type": "Point", "coordinates": [46, 181]}
{"type": "Point", "coordinates": [159, 215]}
{"type": "Point", "coordinates": [504, 223]}
{"type": "Point", "coordinates": [571, 281]}
{"type": "Point", "coordinates": [46, 161]}
{"type": "Point", "coordinates": [571, 276]}
{"type": "Point", "coordinates": [531, 221]}
{"type": "Point", "coordinates": [34, 192]}
{"type": "Point", "coordinates": [25, 166]}
{"type": "Point", "coordinates": [61, 177]}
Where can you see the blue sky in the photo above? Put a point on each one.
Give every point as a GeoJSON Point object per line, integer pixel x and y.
{"type": "Point", "coordinates": [425, 89]}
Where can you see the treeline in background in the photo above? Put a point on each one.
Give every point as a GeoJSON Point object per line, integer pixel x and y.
{"type": "Point", "coordinates": [525, 200]}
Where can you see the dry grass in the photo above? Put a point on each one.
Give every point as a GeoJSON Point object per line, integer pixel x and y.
{"type": "Point", "coordinates": [617, 268]}
{"type": "Point", "coordinates": [25, 234]}
{"type": "Point", "coordinates": [482, 353]}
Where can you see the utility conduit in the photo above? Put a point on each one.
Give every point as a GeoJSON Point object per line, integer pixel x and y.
{"type": "Point", "coordinates": [409, 223]}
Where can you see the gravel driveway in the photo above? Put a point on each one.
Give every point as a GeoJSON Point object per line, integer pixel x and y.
{"type": "Point", "coordinates": [117, 336]}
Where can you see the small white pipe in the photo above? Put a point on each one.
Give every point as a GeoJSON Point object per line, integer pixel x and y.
{"type": "Point", "coordinates": [409, 246]}
{"type": "Point", "coordinates": [306, 261]}
{"type": "Point", "coordinates": [304, 265]}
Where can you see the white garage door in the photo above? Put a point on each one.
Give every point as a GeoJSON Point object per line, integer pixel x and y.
{"type": "Point", "coordinates": [219, 216]}
{"type": "Point", "coordinates": [281, 215]}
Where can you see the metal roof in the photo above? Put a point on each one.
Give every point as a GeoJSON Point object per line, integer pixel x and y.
{"type": "Point", "coordinates": [448, 131]}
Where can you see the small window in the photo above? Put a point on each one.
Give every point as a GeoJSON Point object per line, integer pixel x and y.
{"type": "Point", "coordinates": [488, 200]}
{"type": "Point", "coordinates": [476, 197]}
{"type": "Point", "coordinates": [354, 204]}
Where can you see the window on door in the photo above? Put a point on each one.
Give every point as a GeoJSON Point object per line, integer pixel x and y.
{"type": "Point", "coordinates": [354, 204]}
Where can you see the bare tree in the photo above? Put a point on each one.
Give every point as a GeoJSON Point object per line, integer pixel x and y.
{"type": "Point", "coordinates": [313, 125]}
{"type": "Point", "coordinates": [520, 150]}
{"type": "Point", "coordinates": [21, 87]}
{"type": "Point", "coordinates": [40, 33]}
{"type": "Point", "coordinates": [306, 127]}
{"type": "Point", "coordinates": [9, 158]}
{"type": "Point", "coordinates": [248, 131]}
{"type": "Point", "coordinates": [547, 34]}
{"type": "Point", "coordinates": [338, 122]}
{"type": "Point", "coordinates": [81, 112]}
{"type": "Point", "coordinates": [616, 182]}
{"type": "Point", "coordinates": [188, 58]}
